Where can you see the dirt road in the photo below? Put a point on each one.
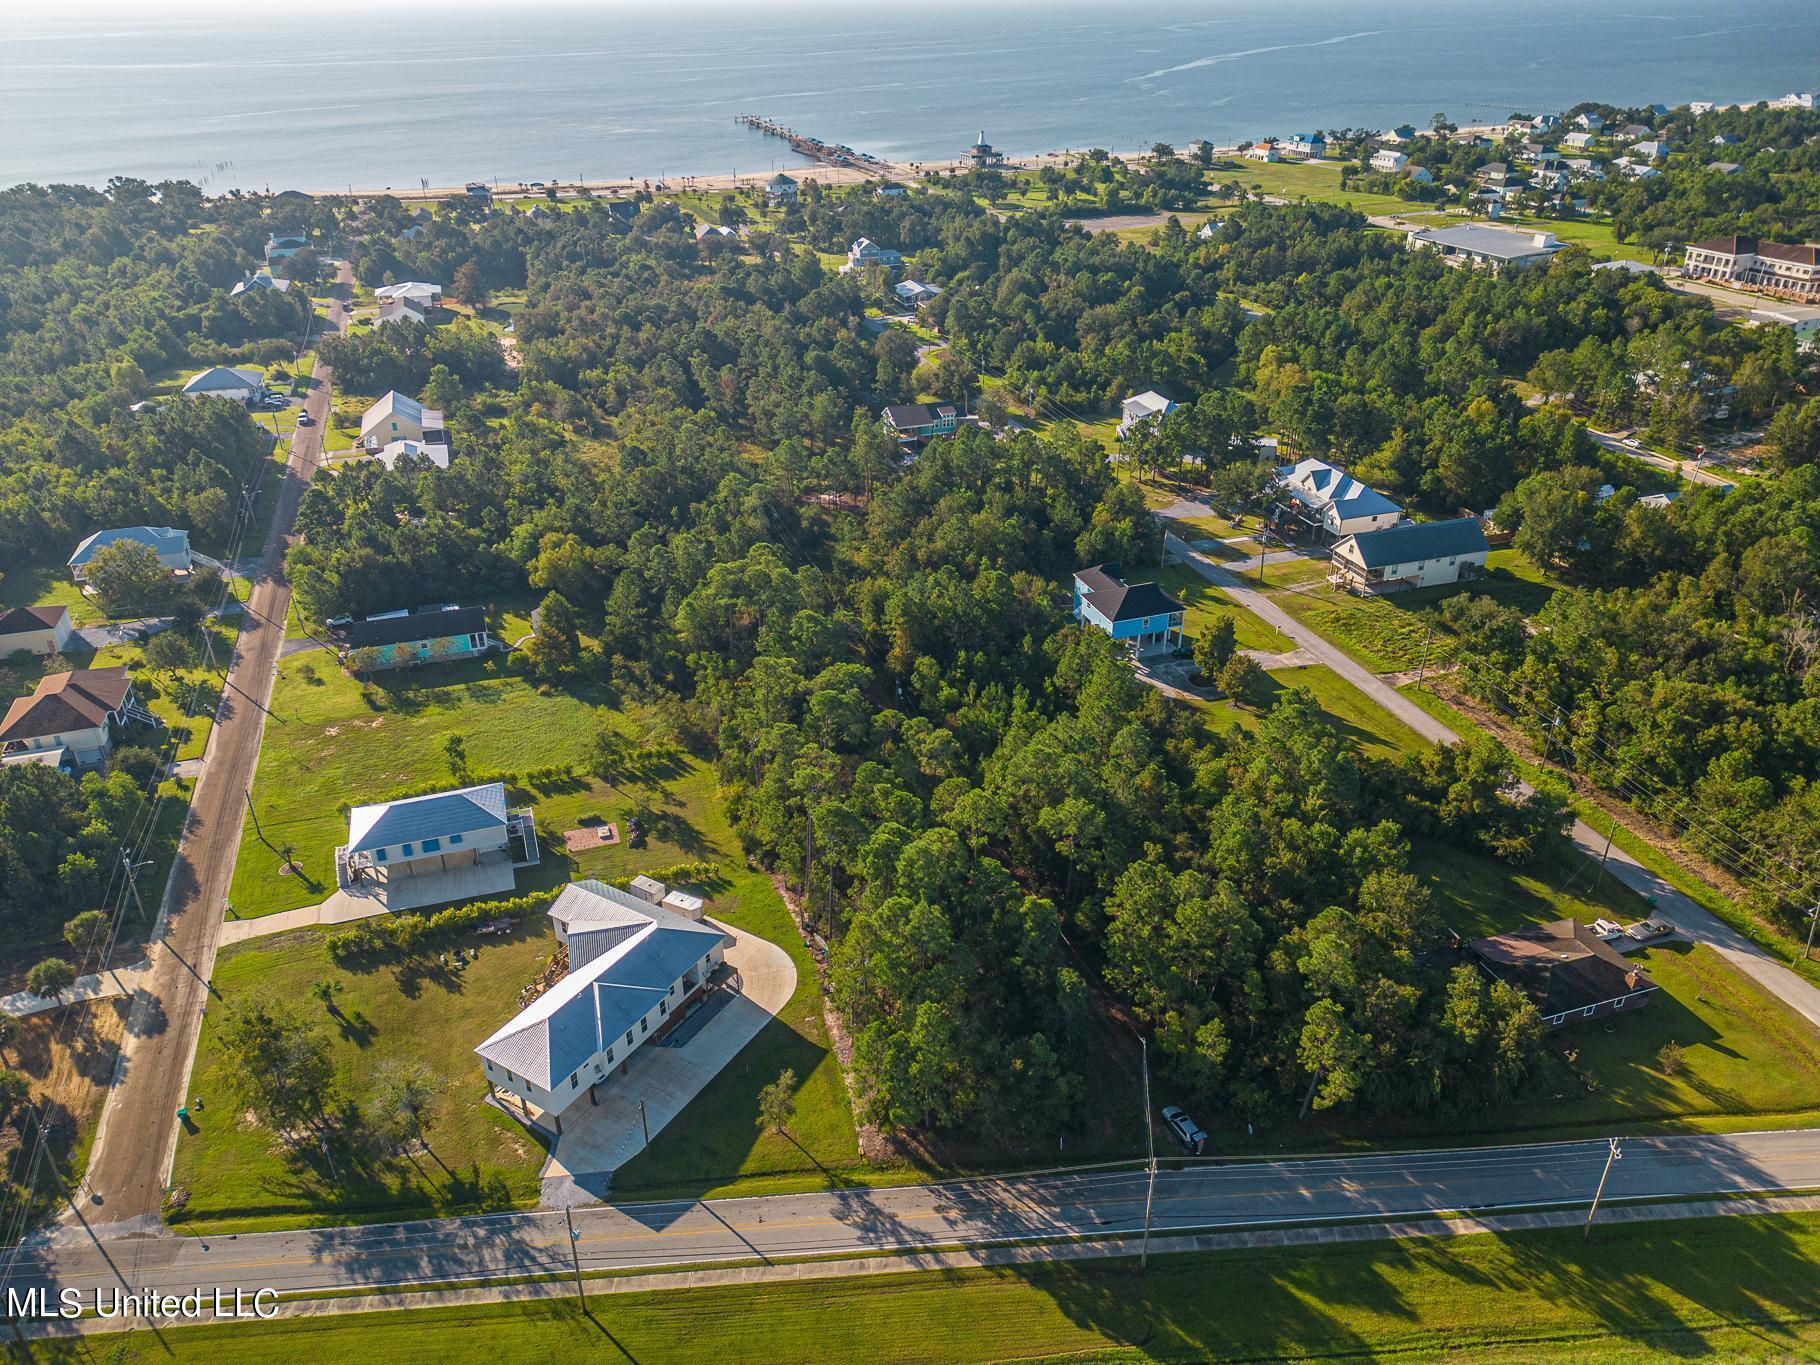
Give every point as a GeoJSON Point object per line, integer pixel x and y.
{"type": "Point", "coordinates": [123, 1190]}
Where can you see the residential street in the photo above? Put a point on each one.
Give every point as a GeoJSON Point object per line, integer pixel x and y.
{"type": "Point", "coordinates": [1693, 920]}
{"type": "Point", "coordinates": [124, 1183]}
{"type": "Point", "coordinates": [1035, 1209]}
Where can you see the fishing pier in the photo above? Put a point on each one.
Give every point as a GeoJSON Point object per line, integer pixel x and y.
{"type": "Point", "coordinates": [825, 153]}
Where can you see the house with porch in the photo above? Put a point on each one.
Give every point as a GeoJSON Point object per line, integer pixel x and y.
{"type": "Point", "coordinates": [920, 422]}
{"type": "Point", "coordinates": [74, 718]}
{"type": "Point", "coordinates": [1148, 406]}
{"type": "Point", "coordinates": [635, 970]}
{"type": "Point", "coordinates": [400, 639]}
{"type": "Point", "coordinates": [425, 295]}
{"type": "Point", "coordinates": [281, 246]}
{"type": "Point", "coordinates": [780, 191]}
{"type": "Point", "coordinates": [916, 293]}
{"type": "Point", "coordinates": [1414, 554]}
{"type": "Point", "coordinates": [35, 630]}
{"type": "Point", "coordinates": [255, 281]}
{"type": "Point", "coordinates": [1566, 969]}
{"type": "Point", "coordinates": [1141, 616]}
{"type": "Point", "coordinates": [1334, 501]}
{"type": "Point", "coordinates": [426, 850]}
{"type": "Point", "coordinates": [865, 252]}
{"type": "Point", "coordinates": [1774, 267]}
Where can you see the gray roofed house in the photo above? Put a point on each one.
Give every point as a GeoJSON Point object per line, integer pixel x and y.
{"type": "Point", "coordinates": [1415, 554]}
{"type": "Point", "coordinates": [1139, 615]}
{"type": "Point", "coordinates": [424, 850]}
{"type": "Point", "coordinates": [1337, 501]}
{"type": "Point", "coordinates": [1478, 244]}
{"type": "Point", "coordinates": [397, 417]}
{"type": "Point", "coordinates": [256, 280]}
{"type": "Point", "coordinates": [634, 970]}
{"type": "Point", "coordinates": [171, 545]}
{"type": "Point", "coordinates": [221, 381]}
{"type": "Point", "coordinates": [921, 421]}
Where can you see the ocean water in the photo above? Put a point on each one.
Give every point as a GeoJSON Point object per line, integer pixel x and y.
{"type": "Point", "coordinates": [396, 94]}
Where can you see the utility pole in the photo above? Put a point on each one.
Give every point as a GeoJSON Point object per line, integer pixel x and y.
{"type": "Point", "coordinates": [575, 1253]}
{"type": "Point", "coordinates": [1613, 1154]}
{"type": "Point", "coordinates": [1422, 672]}
{"type": "Point", "coordinates": [1813, 918]}
{"type": "Point", "coordinates": [255, 814]}
{"type": "Point", "coordinates": [1150, 1143]}
{"type": "Point", "coordinates": [644, 1123]}
{"type": "Point", "coordinates": [1610, 834]}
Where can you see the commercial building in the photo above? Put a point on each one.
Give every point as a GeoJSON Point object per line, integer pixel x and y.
{"type": "Point", "coordinates": [1489, 247]}
{"type": "Point", "coordinates": [1755, 264]}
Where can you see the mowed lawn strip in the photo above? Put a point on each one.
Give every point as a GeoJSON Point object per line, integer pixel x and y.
{"type": "Point", "coordinates": [332, 740]}
{"type": "Point", "coordinates": [237, 1175]}
{"type": "Point", "coordinates": [1738, 1288]}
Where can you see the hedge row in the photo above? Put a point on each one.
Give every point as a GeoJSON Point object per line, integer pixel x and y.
{"type": "Point", "coordinates": [388, 935]}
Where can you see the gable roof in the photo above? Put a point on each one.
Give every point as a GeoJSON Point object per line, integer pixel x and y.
{"type": "Point", "coordinates": [408, 289]}
{"type": "Point", "coordinates": [1117, 600]}
{"type": "Point", "coordinates": [1148, 403]}
{"type": "Point", "coordinates": [416, 817]}
{"type": "Point", "coordinates": [260, 279]}
{"type": "Point", "coordinates": [1417, 540]}
{"type": "Point", "coordinates": [418, 625]}
{"type": "Point", "coordinates": [396, 404]}
{"type": "Point", "coordinates": [595, 1004]}
{"type": "Point", "coordinates": [1561, 966]}
{"type": "Point", "coordinates": [80, 700]}
{"type": "Point", "coordinates": [163, 541]}
{"type": "Point", "coordinates": [27, 620]}
{"type": "Point", "coordinates": [437, 452]}
{"type": "Point", "coordinates": [905, 415]}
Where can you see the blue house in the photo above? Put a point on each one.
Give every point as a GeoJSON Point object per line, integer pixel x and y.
{"type": "Point", "coordinates": [427, 635]}
{"type": "Point", "coordinates": [920, 422]}
{"type": "Point", "coordinates": [1140, 615]}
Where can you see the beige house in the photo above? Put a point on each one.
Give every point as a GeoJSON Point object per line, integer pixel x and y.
{"type": "Point", "coordinates": [82, 712]}
{"type": "Point", "coordinates": [1415, 554]}
{"type": "Point", "coordinates": [1789, 270]}
{"type": "Point", "coordinates": [35, 630]}
{"type": "Point", "coordinates": [398, 418]}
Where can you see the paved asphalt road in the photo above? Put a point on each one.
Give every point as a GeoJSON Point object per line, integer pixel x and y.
{"type": "Point", "coordinates": [1038, 1208]}
{"type": "Point", "coordinates": [1692, 919]}
{"type": "Point", "coordinates": [124, 1184]}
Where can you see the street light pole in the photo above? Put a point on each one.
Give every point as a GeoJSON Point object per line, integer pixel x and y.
{"type": "Point", "coordinates": [1611, 1155]}
{"type": "Point", "coordinates": [1150, 1144]}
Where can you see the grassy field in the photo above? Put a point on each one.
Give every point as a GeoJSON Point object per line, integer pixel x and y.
{"type": "Point", "coordinates": [1724, 1289]}
{"type": "Point", "coordinates": [237, 1176]}
{"type": "Point", "coordinates": [1206, 604]}
{"type": "Point", "coordinates": [331, 740]}
{"type": "Point", "coordinates": [1359, 718]}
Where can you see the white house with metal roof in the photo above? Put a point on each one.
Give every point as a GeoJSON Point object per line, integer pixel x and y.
{"type": "Point", "coordinates": [423, 850]}
{"type": "Point", "coordinates": [1148, 406]}
{"type": "Point", "coordinates": [1336, 501]}
{"type": "Point", "coordinates": [419, 292]}
{"type": "Point", "coordinates": [1416, 554]}
{"type": "Point", "coordinates": [634, 969]}
{"type": "Point", "coordinates": [397, 417]}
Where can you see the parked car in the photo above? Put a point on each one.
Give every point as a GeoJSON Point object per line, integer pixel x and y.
{"type": "Point", "coordinates": [305, 420]}
{"type": "Point", "coordinates": [1191, 1135]}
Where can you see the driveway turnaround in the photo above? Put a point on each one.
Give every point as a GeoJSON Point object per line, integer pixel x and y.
{"type": "Point", "coordinates": [663, 1078]}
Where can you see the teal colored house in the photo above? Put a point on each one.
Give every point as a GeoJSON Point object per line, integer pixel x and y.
{"type": "Point", "coordinates": [1140, 615]}
{"type": "Point", "coordinates": [401, 639]}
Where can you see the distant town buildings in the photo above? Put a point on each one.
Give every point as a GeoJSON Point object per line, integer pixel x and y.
{"type": "Point", "coordinates": [1793, 271]}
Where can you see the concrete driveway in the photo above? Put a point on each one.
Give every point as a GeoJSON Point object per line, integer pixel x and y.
{"type": "Point", "coordinates": [598, 1139]}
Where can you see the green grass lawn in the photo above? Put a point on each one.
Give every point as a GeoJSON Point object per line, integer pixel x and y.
{"type": "Point", "coordinates": [1738, 1288]}
{"type": "Point", "coordinates": [331, 739]}
{"type": "Point", "coordinates": [1206, 604]}
{"type": "Point", "coordinates": [1377, 634]}
{"type": "Point", "coordinates": [237, 1176]}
